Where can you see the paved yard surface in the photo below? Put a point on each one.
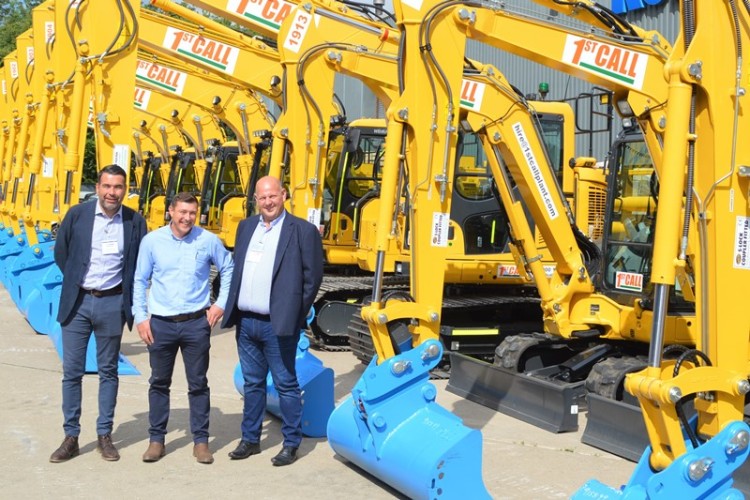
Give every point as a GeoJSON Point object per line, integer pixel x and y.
{"type": "Point", "coordinates": [519, 461]}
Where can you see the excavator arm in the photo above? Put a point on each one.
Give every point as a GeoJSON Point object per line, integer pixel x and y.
{"type": "Point", "coordinates": [233, 105]}
{"type": "Point", "coordinates": [24, 104]}
{"type": "Point", "coordinates": [10, 133]}
{"type": "Point", "coordinates": [243, 61]}
{"type": "Point", "coordinates": [703, 156]}
{"type": "Point", "coordinates": [104, 71]}
{"type": "Point", "coordinates": [305, 101]}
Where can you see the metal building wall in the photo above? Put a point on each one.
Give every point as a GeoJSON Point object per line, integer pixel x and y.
{"type": "Point", "coordinates": [358, 101]}
{"type": "Point", "coordinates": [526, 75]}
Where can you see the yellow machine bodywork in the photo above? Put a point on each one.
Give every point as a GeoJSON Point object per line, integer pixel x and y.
{"type": "Point", "coordinates": [243, 61]}
{"type": "Point", "coordinates": [366, 50]}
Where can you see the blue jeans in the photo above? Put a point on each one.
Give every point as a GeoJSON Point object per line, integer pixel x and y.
{"type": "Point", "coordinates": [103, 315]}
{"type": "Point", "coordinates": [259, 350]}
{"type": "Point", "coordinates": [193, 338]}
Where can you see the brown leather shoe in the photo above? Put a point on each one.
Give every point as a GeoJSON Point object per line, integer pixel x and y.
{"type": "Point", "coordinates": [107, 449]}
{"type": "Point", "coordinates": [154, 452]}
{"type": "Point", "coordinates": [67, 450]}
{"type": "Point", "coordinates": [202, 454]}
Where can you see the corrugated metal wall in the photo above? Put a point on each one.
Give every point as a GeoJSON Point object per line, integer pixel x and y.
{"type": "Point", "coordinates": [527, 75]}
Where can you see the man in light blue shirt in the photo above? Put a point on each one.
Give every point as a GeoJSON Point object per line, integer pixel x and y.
{"type": "Point", "coordinates": [177, 260]}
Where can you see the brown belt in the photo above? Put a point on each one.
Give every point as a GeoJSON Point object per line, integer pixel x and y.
{"type": "Point", "coordinates": [117, 290]}
{"type": "Point", "coordinates": [179, 318]}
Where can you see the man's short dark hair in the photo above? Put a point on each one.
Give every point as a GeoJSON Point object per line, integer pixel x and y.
{"type": "Point", "coordinates": [113, 169]}
{"type": "Point", "coordinates": [183, 197]}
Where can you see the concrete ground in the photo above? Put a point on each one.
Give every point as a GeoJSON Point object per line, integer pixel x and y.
{"type": "Point", "coordinates": [519, 460]}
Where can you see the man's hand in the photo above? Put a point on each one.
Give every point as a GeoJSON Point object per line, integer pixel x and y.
{"type": "Point", "coordinates": [214, 314]}
{"type": "Point", "coordinates": [144, 330]}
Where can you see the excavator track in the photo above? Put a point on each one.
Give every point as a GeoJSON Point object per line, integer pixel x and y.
{"type": "Point", "coordinates": [328, 330]}
{"type": "Point", "coordinates": [459, 330]}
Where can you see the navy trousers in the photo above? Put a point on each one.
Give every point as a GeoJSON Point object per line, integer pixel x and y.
{"type": "Point", "coordinates": [193, 338]}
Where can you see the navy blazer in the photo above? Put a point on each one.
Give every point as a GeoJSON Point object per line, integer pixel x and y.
{"type": "Point", "coordinates": [297, 273]}
{"type": "Point", "coordinates": [73, 253]}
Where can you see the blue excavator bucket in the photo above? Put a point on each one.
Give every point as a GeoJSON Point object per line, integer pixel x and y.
{"type": "Point", "coordinates": [6, 234]}
{"type": "Point", "coordinates": [28, 269]}
{"type": "Point", "coordinates": [41, 302]}
{"type": "Point", "coordinates": [124, 366]}
{"type": "Point", "coordinates": [392, 428]}
{"type": "Point", "coordinates": [8, 254]}
{"type": "Point", "coordinates": [704, 472]}
{"type": "Point", "coordinates": [316, 383]}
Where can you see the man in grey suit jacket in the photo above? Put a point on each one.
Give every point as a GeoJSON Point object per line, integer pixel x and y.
{"type": "Point", "coordinates": [96, 250]}
{"type": "Point", "coordinates": [278, 268]}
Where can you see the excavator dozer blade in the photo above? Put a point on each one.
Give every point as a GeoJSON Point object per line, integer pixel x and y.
{"type": "Point", "coordinates": [316, 384]}
{"type": "Point", "coordinates": [619, 428]}
{"type": "Point", "coordinates": [26, 271]}
{"type": "Point", "coordinates": [615, 427]}
{"type": "Point", "coordinates": [703, 472]}
{"type": "Point", "coordinates": [392, 428]}
{"type": "Point", "coordinates": [552, 406]}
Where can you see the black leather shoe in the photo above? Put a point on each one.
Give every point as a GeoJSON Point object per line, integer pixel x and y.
{"type": "Point", "coordinates": [286, 456]}
{"type": "Point", "coordinates": [67, 450]}
{"type": "Point", "coordinates": [244, 449]}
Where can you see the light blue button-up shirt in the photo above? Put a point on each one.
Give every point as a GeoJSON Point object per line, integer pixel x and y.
{"type": "Point", "coordinates": [257, 273]}
{"type": "Point", "coordinates": [179, 271]}
{"type": "Point", "coordinates": [107, 247]}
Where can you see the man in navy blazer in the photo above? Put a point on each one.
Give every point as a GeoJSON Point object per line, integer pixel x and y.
{"type": "Point", "coordinates": [278, 268]}
{"type": "Point", "coordinates": [96, 250]}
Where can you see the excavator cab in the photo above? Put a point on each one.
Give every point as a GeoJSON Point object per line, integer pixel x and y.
{"type": "Point", "coordinates": [182, 177]}
{"type": "Point", "coordinates": [222, 181]}
{"type": "Point", "coordinates": [629, 236]}
{"type": "Point", "coordinates": [630, 227]}
{"type": "Point", "coordinates": [474, 208]}
{"type": "Point", "coordinates": [151, 184]}
{"type": "Point", "coordinates": [352, 178]}
{"type": "Point", "coordinates": [226, 196]}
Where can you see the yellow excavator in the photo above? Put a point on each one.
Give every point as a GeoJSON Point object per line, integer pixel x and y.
{"type": "Point", "coordinates": [596, 327]}
{"type": "Point", "coordinates": [244, 63]}
{"type": "Point", "coordinates": [684, 459]}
